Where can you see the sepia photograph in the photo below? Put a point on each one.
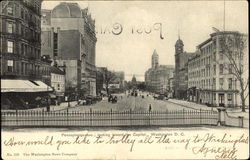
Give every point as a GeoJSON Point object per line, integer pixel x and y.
{"type": "Point", "coordinates": [124, 79]}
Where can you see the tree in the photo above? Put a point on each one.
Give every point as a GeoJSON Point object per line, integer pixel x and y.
{"type": "Point", "coordinates": [141, 86]}
{"type": "Point", "coordinates": [108, 78]}
{"type": "Point", "coordinates": [234, 47]}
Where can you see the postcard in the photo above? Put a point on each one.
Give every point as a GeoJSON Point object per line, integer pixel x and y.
{"type": "Point", "coordinates": [124, 79]}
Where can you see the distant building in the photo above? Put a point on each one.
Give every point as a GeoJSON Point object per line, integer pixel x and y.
{"type": "Point", "coordinates": [117, 81]}
{"type": "Point", "coordinates": [133, 81]}
{"type": "Point", "coordinates": [101, 73]}
{"type": "Point", "coordinates": [210, 77]}
{"type": "Point", "coordinates": [68, 35]}
{"type": "Point", "coordinates": [23, 72]}
{"type": "Point", "coordinates": [157, 77]}
{"type": "Point", "coordinates": [181, 70]}
{"type": "Point", "coordinates": [171, 87]}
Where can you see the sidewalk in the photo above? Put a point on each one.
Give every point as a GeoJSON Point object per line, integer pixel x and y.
{"type": "Point", "coordinates": [62, 106]}
{"type": "Point", "coordinates": [234, 112]}
{"type": "Point", "coordinates": [191, 105]}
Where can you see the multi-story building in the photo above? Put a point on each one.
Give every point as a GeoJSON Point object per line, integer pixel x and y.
{"type": "Point", "coordinates": [157, 77]}
{"type": "Point", "coordinates": [58, 82]}
{"type": "Point", "coordinates": [68, 36]}
{"type": "Point", "coordinates": [22, 68]}
{"type": "Point", "coordinates": [181, 77]}
{"type": "Point", "coordinates": [210, 76]}
{"type": "Point", "coordinates": [170, 87]}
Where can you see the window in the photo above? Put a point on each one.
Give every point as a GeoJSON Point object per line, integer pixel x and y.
{"type": "Point", "coordinates": [10, 10]}
{"type": "Point", "coordinates": [22, 48]}
{"type": "Point", "coordinates": [230, 68]}
{"type": "Point", "coordinates": [22, 13]}
{"type": "Point", "coordinates": [10, 46]}
{"type": "Point", "coordinates": [215, 69]}
{"type": "Point", "coordinates": [23, 68]}
{"type": "Point", "coordinates": [22, 30]}
{"type": "Point", "coordinates": [221, 81]}
{"type": "Point", "coordinates": [214, 56]}
{"type": "Point", "coordinates": [58, 86]}
{"type": "Point", "coordinates": [9, 27]}
{"type": "Point", "coordinates": [10, 65]}
{"type": "Point", "coordinates": [214, 82]}
{"type": "Point", "coordinates": [229, 98]}
{"type": "Point", "coordinates": [26, 68]}
{"type": "Point", "coordinates": [221, 68]}
{"type": "Point", "coordinates": [221, 56]}
{"type": "Point", "coordinates": [230, 83]}
{"type": "Point", "coordinates": [25, 49]}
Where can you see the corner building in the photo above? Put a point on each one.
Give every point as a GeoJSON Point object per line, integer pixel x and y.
{"type": "Point", "coordinates": [23, 72]}
{"type": "Point", "coordinates": [210, 80]}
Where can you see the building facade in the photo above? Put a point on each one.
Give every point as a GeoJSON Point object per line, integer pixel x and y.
{"type": "Point", "coordinates": [68, 36]}
{"type": "Point", "coordinates": [20, 42]}
{"type": "Point", "coordinates": [58, 82]}
{"type": "Point", "coordinates": [211, 79]}
{"type": "Point", "coordinates": [101, 73]}
{"type": "Point", "coordinates": [181, 70]}
{"type": "Point", "coordinates": [157, 77]}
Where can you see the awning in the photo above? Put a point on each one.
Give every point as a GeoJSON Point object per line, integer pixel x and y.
{"type": "Point", "coordinates": [52, 95]}
{"type": "Point", "coordinates": [104, 92]}
{"type": "Point", "coordinates": [16, 85]}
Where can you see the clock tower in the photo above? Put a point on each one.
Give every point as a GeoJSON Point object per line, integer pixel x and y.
{"type": "Point", "coordinates": [178, 51]}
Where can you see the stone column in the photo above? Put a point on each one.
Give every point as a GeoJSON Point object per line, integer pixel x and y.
{"type": "Point", "coordinates": [217, 99]}
{"type": "Point", "coordinates": [225, 100]}
{"type": "Point", "coordinates": [221, 118]}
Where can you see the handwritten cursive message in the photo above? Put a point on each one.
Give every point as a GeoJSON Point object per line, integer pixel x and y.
{"type": "Point", "coordinates": [218, 146]}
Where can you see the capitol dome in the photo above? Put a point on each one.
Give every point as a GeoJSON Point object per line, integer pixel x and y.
{"type": "Point", "coordinates": [66, 10]}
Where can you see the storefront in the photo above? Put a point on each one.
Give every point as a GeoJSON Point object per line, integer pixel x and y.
{"type": "Point", "coordinates": [24, 94]}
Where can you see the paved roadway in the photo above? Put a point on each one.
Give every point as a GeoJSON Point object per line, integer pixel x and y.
{"type": "Point", "coordinates": [126, 103]}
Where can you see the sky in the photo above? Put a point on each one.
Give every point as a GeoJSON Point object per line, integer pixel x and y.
{"type": "Point", "coordinates": [155, 25]}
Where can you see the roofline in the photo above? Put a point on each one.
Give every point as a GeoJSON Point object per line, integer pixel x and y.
{"type": "Point", "coordinates": [205, 42]}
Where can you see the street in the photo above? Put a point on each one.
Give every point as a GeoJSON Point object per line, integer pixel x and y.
{"type": "Point", "coordinates": [138, 103]}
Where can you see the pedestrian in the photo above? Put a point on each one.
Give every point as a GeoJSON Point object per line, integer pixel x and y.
{"type": "Point", "coordinates": [149, 108]}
